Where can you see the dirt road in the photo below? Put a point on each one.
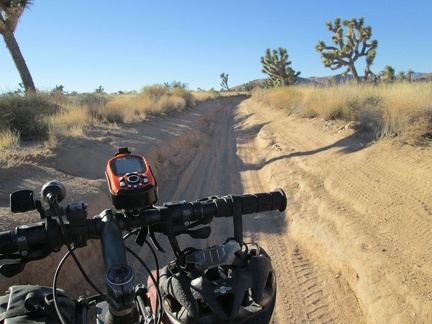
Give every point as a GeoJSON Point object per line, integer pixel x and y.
{"type": "Point", "coordinates": [355, 242]}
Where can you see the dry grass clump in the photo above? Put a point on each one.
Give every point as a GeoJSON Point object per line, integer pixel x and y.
{"type": "Point", "coordinates": [233, 93]}
{"type": "Point", "coordinates": [155, 100]}
{"type": "Point", "coordinates": [159, 99]}
{"type": "Point", "coordinates": [408, 112]}
{"type": "Point", "coordinates": [9, 144]}
{"type": "Point", "coordinates": [287, 98]}
{"type": "Point", "coordinates": [9, 139]}
{"type": "Point", "coordinates": [211, 94]}
{"type": "Point", "coordinates": [154, 92]}
{"type": "Point", "coordinates": [184, 94]}
{"type": "Point", "coordinates": [402, 110]}
{"type": "Point", "coordinates": [70, 122]}
{"type": "Point", "coordinates": [168, 104]}
{"type": "Point", "coordinates": [201, 96]}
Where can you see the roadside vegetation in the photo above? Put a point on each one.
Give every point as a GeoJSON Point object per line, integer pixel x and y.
{"type": "Point", "coordinates": [400, 110]}
{"type": "Point", "coordinates": [47, 117]}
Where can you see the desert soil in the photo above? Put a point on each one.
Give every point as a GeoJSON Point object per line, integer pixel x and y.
{"type": "Point", "coordinates": [354, 245]}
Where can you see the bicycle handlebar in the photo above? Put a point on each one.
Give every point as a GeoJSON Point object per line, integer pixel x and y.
{"type": "Point", "coordinates": [37, 240]}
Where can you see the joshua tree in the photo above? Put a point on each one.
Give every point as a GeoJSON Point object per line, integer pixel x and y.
{"type": "Point", "coordinates": [224, 83]}
{"type": "Point", "coordinates": [277, 66]}
{"type": "Point", "coordinates": [388, 74]}
{"type": "Point", "coordinates": [409, 75]}
{"type": "Point", "coordinates": [349, 48]}
{"type": "Point", "coordinates": [401, 76]}
{"type": "Point", "coordinates": [99, 90]}
{"type": "Point", "coordinates": [249, 86]}
{"type": "Point", "coordinates": [10, 12]}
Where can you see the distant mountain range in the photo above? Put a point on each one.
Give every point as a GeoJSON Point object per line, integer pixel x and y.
{"type": "Point", "coordinates": [422, 76]}
{"type": "Point", "coordinates": [416, 76]}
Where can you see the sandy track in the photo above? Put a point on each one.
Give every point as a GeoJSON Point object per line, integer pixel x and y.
{"type": "Point", "coordinates": [359, 209]}
{"type": "Point", "coordinates": [355, 242]}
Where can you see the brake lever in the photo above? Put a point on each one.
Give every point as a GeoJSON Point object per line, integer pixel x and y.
{"type": "Point", "coordinates": [10, 270]}
{"type": "Point", "coordinates": [201, 233]}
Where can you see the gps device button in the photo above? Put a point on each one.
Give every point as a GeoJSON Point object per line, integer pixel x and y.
{"type": "Point", "coordinates": [133, 179]}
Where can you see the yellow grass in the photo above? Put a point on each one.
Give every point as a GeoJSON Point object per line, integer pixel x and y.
{"type": "Point", "coordinates": [70, 122]}
{"type": "Point", "coordinates": [400, 109]}
{"type": "Point", "coordinates": [201, 96]}
{"type": "Point", "coordinates": [168, 104]}
{"type": "Point", "coordinates": [155, 100]}
{"type": "Point", "coordinates": [9, 139]}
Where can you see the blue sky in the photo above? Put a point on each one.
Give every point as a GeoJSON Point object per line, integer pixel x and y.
{"type": "Point", "coordinates": [126, 45]}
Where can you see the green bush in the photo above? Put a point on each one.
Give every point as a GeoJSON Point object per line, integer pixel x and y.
{"type": "Point", "coordinates": [27, 115]}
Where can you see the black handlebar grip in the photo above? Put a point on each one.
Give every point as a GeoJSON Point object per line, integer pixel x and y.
{"type": "Point", "coordinates": [6, 243]}
{"type": "Point", "coordinates": [261, 202]}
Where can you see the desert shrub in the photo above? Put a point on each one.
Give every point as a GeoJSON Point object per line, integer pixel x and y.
{"type": "Point", "coordinates": [169, 104]}
{"type": "Point", "coordinates": [364, 109]}
{"type": "Point", "coordinates": [94, 103]}
{"type": "Point", "coordinates": [368, 113]}
{"type": "Point", "coordinates": [27, 115]}
{"type": "Point", "coordinates": [89, 99]}
{"type": "Point", "coordinates": [115, 112]}
{"type": "Point", "coordinates": [185, 94]}
{"type": "Point", "coordinates": [419, 131]}
{"type": "Point", "coordinates": [144, 106]}
{"type": "Point", "coordinates": [154, 92]}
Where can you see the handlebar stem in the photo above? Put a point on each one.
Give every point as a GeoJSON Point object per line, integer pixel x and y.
{"type": "Point", "coordinates": [119, 276]}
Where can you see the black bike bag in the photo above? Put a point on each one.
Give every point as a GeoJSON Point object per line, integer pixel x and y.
{"type": "Point", "coordinates": [34, 304]}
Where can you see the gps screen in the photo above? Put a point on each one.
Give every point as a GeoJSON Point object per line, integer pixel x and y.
{"type": "Point", "coordinates": [128, 164]}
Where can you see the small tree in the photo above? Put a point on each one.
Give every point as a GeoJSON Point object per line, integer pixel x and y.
{"type": "Point", "coordinates": [409, 75]}
{"type": "Point", "coordinates": [277, 66]}
{"type": "Point", "coordinates": [388, 74]}
{"type": "Point", "coordinates": [349, 48]}
{"type": "Point", "coordinates": [99, 90]}
{"type": "Point", "coordinates": [224, 83]}
{"type": "Point", "coordinates": [176, 84]}
{"type": "Point", "coordinates": [401, 76]}
{"type": "Point", "coordinates": [59, 89]}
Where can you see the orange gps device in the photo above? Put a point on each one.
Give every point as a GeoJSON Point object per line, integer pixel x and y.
{"type": "Point", "coordinates": [130, 181]}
